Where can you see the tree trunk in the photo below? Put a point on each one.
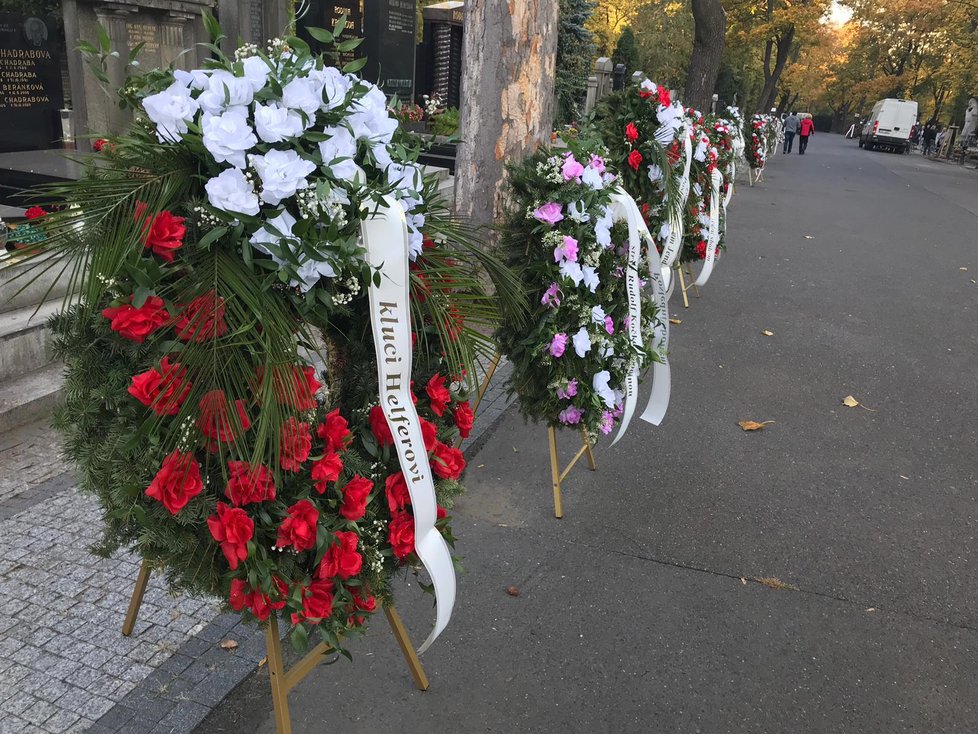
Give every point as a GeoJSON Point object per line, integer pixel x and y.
{"type": "Point", "coordinates": [773, 76]}
{"type": "Point", "coordinates": [704, 63]}
{"type": "Point", "coordinates": [507, 96]}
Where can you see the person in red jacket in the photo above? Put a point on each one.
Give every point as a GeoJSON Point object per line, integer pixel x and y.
{"type": "Point", "coordinates": [807, 128]}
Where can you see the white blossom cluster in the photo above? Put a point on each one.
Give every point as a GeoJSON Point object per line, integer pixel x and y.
{"type": "Point", "coordinates": [288, 138]}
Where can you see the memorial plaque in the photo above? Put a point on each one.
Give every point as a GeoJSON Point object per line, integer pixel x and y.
{"type": "Point", "coordinates": [443, 35]}
{"type": "Point", "coordinates": [390, 36]}
{"type": "Point", "coordinates": [30, 83]}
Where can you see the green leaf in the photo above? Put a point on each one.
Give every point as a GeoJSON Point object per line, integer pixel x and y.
{"type": "Point", "coordinates": [211, 237]}
{"type": "Point", "coordinates": [349, 44]}
{"type": "Point", "coordinates": [339, 25]}
{"type": "Point", "coordinates": [354, 66]}
{"type": "Point", "coordinates": [103, 39]}
{"type": "Point", "coordinates": [320, 34]}
{"type": "Point", "coordinates": [299, 637]}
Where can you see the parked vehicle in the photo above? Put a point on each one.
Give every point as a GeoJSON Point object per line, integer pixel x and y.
{"type": "Point", "coordinates": [889, 125]}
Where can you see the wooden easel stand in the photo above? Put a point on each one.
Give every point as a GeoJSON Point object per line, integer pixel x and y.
{"type": "Point", "coordinates": [558, 475]}
{"type": "Point", "coordinates": [284, 680]}
{"type": "Point", "coordinates": [683, 287]}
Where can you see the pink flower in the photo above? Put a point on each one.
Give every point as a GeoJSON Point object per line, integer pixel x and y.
{"type": "Point", "coordinates": [571, 169]}
{"type": "Point", "coordinates": [627, 323]}
{"type": "Point", "coordinates": [549, 213]}
{"type": "Point", "coordinates": [566, 393]}
{"type": "Point", "coordinates": [570, 415]}
{"type": "Point", "coordinates": [566, 251]}
{"type": "Point", "coordinates": [551, 296]}
{"type": "Point", "coordinates": [597, 163]}
{"type": "Point", "coordinates": [609, 324]}
{"type": "Point", "coordinates": [558, 344]}
{"type": "Point", "coordinates": [607, 422]}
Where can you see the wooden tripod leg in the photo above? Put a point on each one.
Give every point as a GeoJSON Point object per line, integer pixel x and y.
{"type": "Point", "coordinates": [692, 280]}
{"type": "Point", "coordinates": [276, 676]}
{"type": "Point", "coordinates": [136, 600]}
{"type": "Point", "coordinates": [485, 380]}
{"type": "Point", "coordinates": [592, 465]}
{"type": "Point", "coordinates": [555, 474]}
{"type": "Point", "coordinates": [682, 287]}
{"type": "Point", "coordinates": [407, 649]}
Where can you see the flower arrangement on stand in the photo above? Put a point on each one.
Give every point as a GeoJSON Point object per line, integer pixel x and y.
{"type": "Point", "coordinates": [571, 362]}
{"type": "Point", "coordinates": [696, 213]}
{"type": "Point", "coordinates": [221, 381]}
{"type": "Point", "coordinates": [721, 134]}
{"type": "Point", "coordinates": [757, 142]}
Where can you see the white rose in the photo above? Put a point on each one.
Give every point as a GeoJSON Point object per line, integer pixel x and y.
{"type": "Point", "coordinates": [341, 144]}
{"type": "Point", "coordinates": [597, 315]}
{"type": "Point", "coordinates": [282, 173]}
{"type": "Point", "coordinates": [275, 232]}
{"type": "Point", "coordinates": [275, 123]}
{"type": "Point", "coordinates": [572, 269]}
{"type": "Point", "coordinates": [600, 384]}
{"type": "Point", "coordinates": [305, 94]}
{"type": "Point", "coordinates": [334, 86]}
{"type": "Point", "coordinates": [228, 136]}
{"type": "Point", "coordinates": [225, 90]}
{"type": "Point", "coordinates": [370, 119]}
{"type": "Point", "coordinates": [582, 342]}
{"type": "Point", "coordinates": [171, 110]}
{"type": "Point", "coordinates": [309, 274]}
{"type": "Point", "coordinates": [590, 277]}
{"type": "Point", "coordinates": [592, 178]}
{"type": "Point", "coordinates": [231, 192]}
{"type": "Point", "coordinates": [577, 212]}
{"type": "Point", "coordinates": [256, 71]}
{"type": "Point", "coordinates": [195, 78]}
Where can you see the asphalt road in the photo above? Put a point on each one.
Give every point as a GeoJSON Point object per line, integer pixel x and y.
{"type": "Point", "coordinates": [640, 610]}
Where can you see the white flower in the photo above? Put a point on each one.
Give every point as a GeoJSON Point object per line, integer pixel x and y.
{"type": "Point", "coordinates": [582, 342]}
{"type": "Point", "coordinates": [282, 173]}
{"type": "Point", "coordinates": [597, 315]}
{"type": "Point", "coordinates": [274, 232]}
{"type": "Point", "coordinates": [256, 71]}
{"type": "Point", "coordinates": [649, 85]}
{"type": "Point", "coordinates": [590, 277]}
{"type": "Point", "coordinates": [225, 90]}
{"type": "Point", "coordinates": [334, 86]}
{"type": "Point", "coordinates": [381, 154]}
{"type": "Point", "coordinates": [406, 177]}
{"type": "Point", "coordinates": [571, 269]}
{"type": "Point", "coordinates": [341, 144]}
{"type": "Point", "coordinates": [592, 178]}
{"type": "Point", "coordinates": [195, 79]}
{"type": "Point", "coordinates": [655, 173]}
{"type": "Point", "coordinates": [304, 93]}
{"type": "Point", "coordinates": [664, 231]}
{"type": "Point", "coordinates": [608, 351]}
{"type": "Point", "coordinates": [602, 228]}
{"type": "Point", "coordinates": [600, 384]}
{"type": "Point", "coordinates": [275, 123]}
{"type": "Point", "coordinates": [232, 192]}
{"type": "Point", "coordinates": [577, 212]}
{"type": "Point", "coordinates": [171, 110]}
{"type": "Point", "coordinates": [310, 272]}
{"type": "Point", "coordinates": [700, 152]}
{"type": "Point", "coordinates": [228, 136]}
{"type": "Point", "coordinates": [370, 119]}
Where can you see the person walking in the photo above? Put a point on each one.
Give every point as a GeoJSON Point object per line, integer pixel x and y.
{"type": "Point", "coordinates": [806, 128]}
{"type": "Point", "coordinates": [930, 133]}
{"type": "Point", "coordinates": [790, 129]}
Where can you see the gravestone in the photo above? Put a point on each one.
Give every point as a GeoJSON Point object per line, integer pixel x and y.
{"type": "Point", "coordinates": [390, 37]}
{"type": "Point", "coordinates": [443, 34]}
{"type": "Point", "coordinates": [325, 14]}
{"type": "Point", "coordinates": [30, 83]}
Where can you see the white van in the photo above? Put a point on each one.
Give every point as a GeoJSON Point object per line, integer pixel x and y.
{"type": "Point", "coordinates": [889, 125]}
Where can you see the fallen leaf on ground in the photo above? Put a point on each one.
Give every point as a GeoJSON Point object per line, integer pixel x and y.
{"type": "Point", "coordinates": [809, 237]}
{"type": "Point", "coordinates": [752, 425]}
{"type": "Point", "coordinates": [851, 402]}
{"type": "Point", "coordinates": [512, 591]}
{"type": "Point", "coordinates": [903, 477]}
{"type": "Point", "coordinates": [675, 321]}
{"type": "Point", "coordinates": [774, 582]}
{"type": "Point", "coordinates": [262, 662]}
{"type": "Point", "coordinates": [743, 581]}
{"type": "Point", "coordinates": [481, 466]}
{"type": "Point", "coordinates": [871, 609]}
{"type": "Point", "coordinates": [965, 269]}
{"type": "Point", "coordinates": [228, 644]}
{"type": "Point", "coordinates": [767, 333]}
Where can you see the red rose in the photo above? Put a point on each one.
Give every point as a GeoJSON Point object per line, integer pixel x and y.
{"type": "Point", "coordinates": [164, 234]}
{"type": "Point", "coordinates": [379, 427]}
{"type": "Point", "coordinates": [439, 394]}
{"type": "Point", "coordinates": [355, 495]}
{"type": "Point", "coordinates": [441, 513]}
{"type": "Point", "coordinates": [99, 145]}
{"type": "Point", "coordinates": [335, 431]}
{"type": "Point", "coordinates": [341, 559]}
{"type": "Point", "coordinates": [464, 418]}
{"type": "Point", "coordinates": [215, 420]}
{"type": "Point", "coordinates": [299, 528]}
{"type": "Point", "coordinates": [701, 249]}
{"type": "Point", "coordinates": [401, 534]}
{"type": "Point", "coordinates": [136, 324]}
{"type": "Point", "coordinates": [327, 469]}
{"type": "Point", "coordinates": [634, 159]}
{"type": "Point", "coordinates": [672, 153]}
{"type": "Point", "coordinates": [201, 319]}
{"type": "Point", "coordinates": [35, 212]}
{"type": "Point", "coordinates": [631, 132]}
{"type": "Point", "coordinates": [294, 385]}
{"type": "Point", "coordinates": [249, 484]}
{"type": "Point", "coordinates": [363, 601]}
{"type": "Point", "coordinates": [397, 492]}
{"type": "Point", "coordinates": [317, 601]}
{"type": "Point", "coordinates": [430, 433]}
{"type": "Point", "coordinates": [295, 443]}
{"type": "Point", "coordinates": [448, 462]}
{"type": "Point", "coordinates": [161, 390]}
{"type": "Point", "coordinates": [261, 605]}
{"type": "Point", "coordinates": [240, 596]}
{"type": "Point", "coordinates": [177, 482]}
{"type": "Point", "coordinates": [664, 97]}
{"type": "Point", "coordinates": [644, 93]}
{"type": "Point", "coordinates": [232, 528]}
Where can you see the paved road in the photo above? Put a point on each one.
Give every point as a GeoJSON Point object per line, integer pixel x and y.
{"type": "Point", "coordinates": [639, 611]}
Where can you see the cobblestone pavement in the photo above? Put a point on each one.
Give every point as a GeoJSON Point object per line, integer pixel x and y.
{"type": "Point", "coordinates": [65, 667]}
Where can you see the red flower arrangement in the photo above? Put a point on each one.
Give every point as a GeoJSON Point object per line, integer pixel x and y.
{"type": "Point", "coordinates": [135, 324]}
